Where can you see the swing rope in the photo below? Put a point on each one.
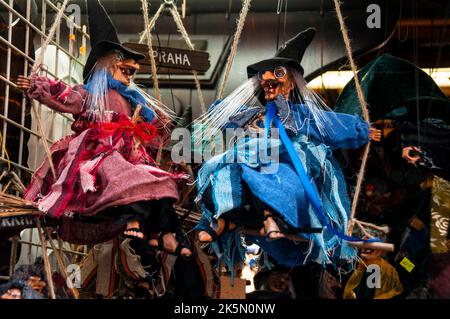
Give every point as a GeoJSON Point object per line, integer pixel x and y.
{"type": "Point", "coordinates": [35, 69]}
{"type": "Point", "coordinates": [50, 36]}
{"type": "Point", "coordinates": [233, 51]}
{"type": "Point", "coordinates": [47, 267]}
{"type": "Point", "coordinates": [152, 22]}
{"type": "Point", "coordinates": [364, 109]}
{"type": "Point", "coordinates": [184, 34]}
{"type": "Point", "coordinates": [148, 26]}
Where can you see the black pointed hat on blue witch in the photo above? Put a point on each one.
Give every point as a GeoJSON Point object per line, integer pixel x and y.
{"type": "Point", "coordinates": [103, 37]}
{"type": "Point", "coordinates": [289, 56]}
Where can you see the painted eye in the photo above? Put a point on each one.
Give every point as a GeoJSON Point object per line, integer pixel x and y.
{"type": "Point", "coordinates": [280, 72]}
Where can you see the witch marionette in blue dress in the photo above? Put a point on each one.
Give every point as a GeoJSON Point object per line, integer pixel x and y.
{"type": "Point", "coordinates": [280, 174]}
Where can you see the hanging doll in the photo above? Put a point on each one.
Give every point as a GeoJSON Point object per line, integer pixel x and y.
{"type": "Point", "coordinates": [380, 281]}
{"type": "Point", "coordinates": [302, 191]}
{"type": "Point", "coordinates": [104, 168]}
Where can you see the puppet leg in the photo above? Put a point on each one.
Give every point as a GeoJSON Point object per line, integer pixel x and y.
{"type": "Point", "coordinates": [163, 221]}
{"type": "Point", "coordinates": [134, 216]}
{"type": "Point", "coordinates": [270, 229]}
{"type": "Point", "coordinates": [210, 234]}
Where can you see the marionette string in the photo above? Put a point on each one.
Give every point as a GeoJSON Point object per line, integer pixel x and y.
{"type": "Point", "coordinates": [364, 109]}
{"type": "Point", "coordinates": [35, 69]}
{"type": "Point", "coordinates": [233, 51]}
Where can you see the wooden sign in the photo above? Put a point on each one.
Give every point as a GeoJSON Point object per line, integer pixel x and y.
{"type": "Point", "coordinates": [171, 60]}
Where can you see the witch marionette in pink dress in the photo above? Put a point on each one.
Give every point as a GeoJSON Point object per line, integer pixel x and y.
{"type": "Point", "coordinates": [105, 169]}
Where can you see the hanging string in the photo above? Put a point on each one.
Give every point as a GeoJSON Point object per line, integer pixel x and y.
{"type": "Point", "coordinates": [364, 109]}
{"type": "Point", "coordinates": [62, 266]}
{"type": "Point", "coordinates": [51, 34]}
{"type": "Point", "coordinates": [183, 9]}
{"type": "Point", "coordinates": [280, 3]}
{"type": "Point", "coordinates": [284, 23]}
{"type": "Point", "coordinates": [152, 23]}
{"type": "Point", "coordinates": [47, 267]}
{"type": "Point", "coordinates": [180, 26]}
{"type": "Point", "coordinates": [237, 36]}
{"type": "Point", "coordinates": [441, 43]}
{"type": "Point", "coordinates": [5, 151]}
{"type": "Point", "coordinates": [42, 137]}
{"type": "Point", "coordinates": [184, 34]}
{"type": "Point", "coordinates": [147, 32]}
{"type": "Point", "coordinates": [35, 69]}
{"type": "Point", "coordinates": [416, 71]}
{"type": "Point", "coordinates": [178, 21]}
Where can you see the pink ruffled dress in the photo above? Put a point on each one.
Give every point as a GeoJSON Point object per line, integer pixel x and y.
{"type": "Point", "coordinates": [96, 167]}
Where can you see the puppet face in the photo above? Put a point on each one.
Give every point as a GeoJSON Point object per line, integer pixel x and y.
{"type": "Point", "coordinates": [13, 293]}
{"type": "Point", "coordinates": [121, 69]}
{"type": "Point", "coordinates": [277, 281]}
{"type": "Point", "coordinates": [36, 283]}
{"type": "Point", "coordinates": [276, 82]}
{"type": "Point", "coordinates": [371, 255]}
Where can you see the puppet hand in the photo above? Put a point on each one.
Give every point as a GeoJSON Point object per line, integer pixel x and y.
{"type": "Point", "coordinates": [23, 83]}
{"type": "Point", "coordinates": [374, 134]}
{"type": "Point", "coordinates": [411, 154]}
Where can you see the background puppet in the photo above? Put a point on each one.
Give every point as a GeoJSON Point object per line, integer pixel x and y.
{"type": "Point", "coordinates": [278, 195]}
{"type": "Point", "coordinates": [386, 286]}
{"type": "Point", "coordinates": [104, 168]}
{"type": "Point", "coordinates": [414, 115]}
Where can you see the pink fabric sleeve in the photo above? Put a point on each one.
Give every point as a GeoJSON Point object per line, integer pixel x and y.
{"type": "Point", "coordinates": [57, 95]}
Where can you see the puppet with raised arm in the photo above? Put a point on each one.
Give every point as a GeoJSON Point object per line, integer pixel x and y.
{"type": "Point", "coordinates": [106, 169]}
{"type": "Point", "coordinates": [303, 190]}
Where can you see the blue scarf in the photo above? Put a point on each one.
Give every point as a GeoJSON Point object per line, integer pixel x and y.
{"type": "Point", "coordinates": [131, 95]}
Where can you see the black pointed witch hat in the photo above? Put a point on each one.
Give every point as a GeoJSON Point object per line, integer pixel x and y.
{"type": "Point", "coordinates": [289, 56]}
{"type": "Point", "coordinates": [103, 37]}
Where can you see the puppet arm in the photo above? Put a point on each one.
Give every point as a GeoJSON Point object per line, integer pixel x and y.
{"type": "Point", "coordinates": [340, 130]}
{"type": "Point", "coordinates": [57, 95]}
{"type": "Point", "coordinates": [350, 131]}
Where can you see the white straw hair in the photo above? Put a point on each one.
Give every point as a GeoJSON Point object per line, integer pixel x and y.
{"type": "Point", "coordinates": [155, 105]}
{"type": "Point", "coordinates": [96, 102]}
{"type": "Point", "coordinates": [218, 116]}
{"type": "Point", "coordinates": [246, 95]}
{"type": "Point", "coordinates": [322, 115]}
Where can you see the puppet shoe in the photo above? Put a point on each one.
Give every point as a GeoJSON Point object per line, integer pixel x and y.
{"type": "Point", "coordinates": [271, 229]}
{"type": "Point", "coordinates": [168, 243]}
{"type": "Point", "coordinates": [210, 234]}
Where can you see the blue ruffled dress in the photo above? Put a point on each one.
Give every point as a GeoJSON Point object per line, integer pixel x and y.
{"type": "Point", "coordinates": [277, 185]}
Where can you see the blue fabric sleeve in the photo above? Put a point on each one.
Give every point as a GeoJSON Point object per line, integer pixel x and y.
{"type": "Point", "coordinates": [343, 131]}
